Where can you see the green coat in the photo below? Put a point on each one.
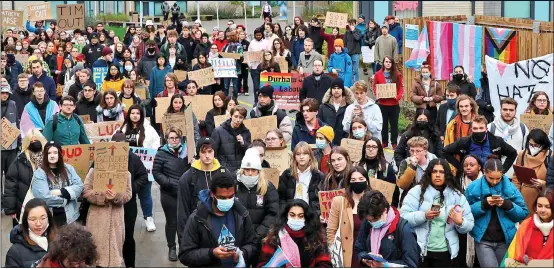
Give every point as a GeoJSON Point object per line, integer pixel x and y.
{"type": "Point", "coordinates": [68, 131]}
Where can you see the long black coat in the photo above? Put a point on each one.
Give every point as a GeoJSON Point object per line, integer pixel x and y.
{"type": "Point", "coordinates": [167, 170]}
{"type": "Point", "coordinates": [229, 152]}
{"type": "Point", "coordinates": [18, 180]}
{"type": "Point", "coordinates": [312, 88]}
{"type": "Point", "coordinates": [263, 209]}
{"type": "Point", "coordinates": [287, 188]}
{"type": "Point", "coordinates": [22, 254]}
{"type": "Point", "coordinates": [484, 101]}
{"type": "Point", "coordinates": [86, 107]}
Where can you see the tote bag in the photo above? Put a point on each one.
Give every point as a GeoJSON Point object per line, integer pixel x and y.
{"type": "Point", "coordinates": [336, 249]}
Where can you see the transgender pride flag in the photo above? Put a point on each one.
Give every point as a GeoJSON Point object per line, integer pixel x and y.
{"type": "Point", "coordinates": [279, 259]}
{"type": "Point", "coordinates": [467, 47]}
{"type": "Point", "coordinates": [440, 46]}
{"type": "Point", "coordinates": [419, 53]}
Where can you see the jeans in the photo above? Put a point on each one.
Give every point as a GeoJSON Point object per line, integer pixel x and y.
{"type": "Point", "coordinates": [490, 254]}
{"type": "Point", "coordinates": [255, 74]}
{"type": "Point", "coordinates": [227, 84]}
{"type": "Point", "coordinates": [169, 206]}
{"type": "Point", "coordinates": [355, 66]}
{"type": "Point", "coordinates": [145, 196]}
{"type": "Point", "coordinates": [390, 114]}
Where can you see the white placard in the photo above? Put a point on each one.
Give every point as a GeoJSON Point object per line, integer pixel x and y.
{"type": "Point", "coordinates": [411, 34]}
{"type": "Point", "coordinates": [368, 55]}
{"type": "Point", "coordinates": [224, 67]}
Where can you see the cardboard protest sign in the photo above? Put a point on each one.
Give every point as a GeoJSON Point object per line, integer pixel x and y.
{"type": "Point", "coordinates": [534, 263]}
{"type": "Point", "coordinates": [141, 92]}
{"type": "Point", "coordinates": [354, 148]}
{"type": "Point", "coordinates": [193, 62]}
{"type": "Point", "coordinates": [70, 16]}
{"type": "Point", "coordinates": [333, 19]}
{"type": "Point", "coordinates": [283, 64]}
{"type": "Point", "coordinates": [80, 157]}
{"type": "Point", "coordinates": [9, 133]}
{"type": "Point", "coordinates": [163, 104]}
{"type": "Point", "coordinates": [22, 58]}
{"type": "Point", "coordinates": [175, 120]}
{"type": "Point", "coordinates": [191, 145]}
{"type": "Point", "coordinates": [203, 77]}
{"type": "Point", "coordinates": [386, 188]}
{"type": "Point", "coordinates": [12, 18]}
{"type": "Point", "coordinates": [166, 23]}
{"type": "Point", "coordinates": [259, 126]}
{"type": "Point", "coordinates": [220, 119]}
{"type": "Point", "coordinates": [278, 158]}
{"type": "Point", "coordinates": [98, 75]}
{"type": "Point", "coordinates": [201, 104]}
{"type": "Point", "coordinates": [286, 87]}
{"type": "Point", "coordinates": [181, 75]}
{"type": "Point", "coordinates": [224, 67]}
{"type": "Point", "coordinates": [102, 131]}
{"type": "Point", "coordinates": [519, 80]}
{"type": "Point", "coordinates": [111, 166]}
{"type": "Point", "coordinates": [387, 90]}
{"type": "Point", "coordinates": [40, 12]}
{"type": "Point", "coordinates": [325, 200]}
{"type": "Point", "coordinates": [272, 175]}
{"type": "Point", "coordinates": [235, 56]}
{"type": "Point", "coordinates": [85, 118]}
{"type": "Point", "coordinates": [542, 122]}
{"type": "Point", "coordinates": [135, 17]}
{"type": "Point", "coordinates": [253, 57]}
{"type": "Point", "coordinates": [146, 155]}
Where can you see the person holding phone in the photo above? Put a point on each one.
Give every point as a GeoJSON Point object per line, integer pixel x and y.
{"type": "Point", "coordinates": [497, 206]}
{"type": "Point", "coordinates": [438, 210]}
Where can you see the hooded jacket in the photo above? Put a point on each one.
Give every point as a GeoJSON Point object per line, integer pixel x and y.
{"type": "Point", "coordinates": [301, 131]}
{"type": "Point", "coordinates": [330, 38]}
{"type": "Point", "coordinates": [21, 98]}
{"type": "Point", "coordinates": [86, 107]}
{"type": "Point", "coordinates": [201, 47]}
{"type": "Point", "coordinates": [353, 41]}
{"type": "Point", "coordinates": [332, 117]}
{"type": "Point", "coordinates": [92, 52]}
{"type": "Point", "coordinates": [18, 180]}
{"type": "Point", "coordinates": [315, 34]}
{"type": "Point", "coordinates": [283, 122]}
{"type": "Point", "coordinates": [157, 82]}
{"type": "Point", "coordinates": [146, 64]}
{"type": "Point", "coordinates": [372, 117]}
{"type": "Point", "coordinates": [151, 137]}
{"type": "Point", "coordinates": [198, 241]}
{"type": "Point", "coordinates": [263, 210]}
{"type": "Point", "coordinates": [22, 254]}
{"type": "Point", "coordinates": [168, 168]}
{"type": "Point", "coordinates": [229, 151]}
{"type": "Point", "coordinates": [408, 174]}
{"type": "Point", "coordinates": [313, 88]}
{"type": "Point", "coordinates": [396, 31]}
{"type": "Point", "coordinates": [75, 89]}
{"type": "Point", "coordinates": [297, 48]}
{"type": "Point", "coordinates": [343, 64]}
{"type": "Point", "coordinates": [15, 68]}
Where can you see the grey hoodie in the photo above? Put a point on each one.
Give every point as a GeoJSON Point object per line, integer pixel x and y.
{"type": "Point", "coordinates": [372, 117]}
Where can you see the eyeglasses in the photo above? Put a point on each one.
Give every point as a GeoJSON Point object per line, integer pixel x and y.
{"type": "Point", "coordinates": [66, 104]}
{"type": "Point", "coordinates": [541, 101]}
{"type": "Point", "coordinates": [414, 152]}
{"type": "Point", "coordinates": [89, 90]}
{"type": "Point", "coordinates": [42, 220]}
{"type": "Point", "coordinates": [271, 138]}
{"type": "Point", "coordinates": [371, 147]}
{"type": "Point", "coordinates": [174, 138]}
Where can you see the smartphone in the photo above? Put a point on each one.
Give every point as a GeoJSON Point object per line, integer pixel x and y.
{"type": "Point", "coordinates": [496, 197]}
{"type": "Point", "coordinates": [230, 249]}
{"type": "Point", "coordinates": [458, 209]}
{"type": "Point", "coordinates": [436, 207]}
{"type": "Point", "coordinates": [370, 256]}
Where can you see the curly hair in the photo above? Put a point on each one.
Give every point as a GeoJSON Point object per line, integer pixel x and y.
{"type": "Point", "coordinates": [73, 243]}
{"type": "Point", "coordinates": [449, 180]}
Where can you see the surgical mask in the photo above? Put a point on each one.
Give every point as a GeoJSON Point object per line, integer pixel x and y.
{"type": "Point", "coordinates": [451, 103]}
{"type": "Point", "coordinates": [358, 187]}
{"type": "Point", "coordinates": [21, 36]}
{"type": "Point", "coordinates": [18, 47]}
{"type": "Point", "coordinates": [425, 75]}
{"type": "Point", "coordinates": [35, 146]}
{"type": "Point", "coordinates": [458, 77]}
{"type": "Point", "coordinates": [359, 133]}
{"type": "Point", "coordinates": [225, 205]}
{"type": "Point", "coordinates": [320, 144]}
{"type": "Point", "coordinates": [534, 150]}
{"type": "Point", "coordinates": [249, 181]}
{"type": "Point", "coordinates": [128, 68]}
{"type": "Point", "coordinates": [296, 224]}
{"type": "Point", "coordinates": [378, 224]}
{"type": "Point", "coordinates": [479, 136]}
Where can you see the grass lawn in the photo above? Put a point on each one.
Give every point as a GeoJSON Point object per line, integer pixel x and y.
{"type": "Point", "coordinates": [119, 31]}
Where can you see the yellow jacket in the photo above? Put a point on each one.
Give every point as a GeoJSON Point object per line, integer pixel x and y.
{"type": "Point", "coordinates": [448, 135]}
{"type": "Point", "coordinates": [115, 85]}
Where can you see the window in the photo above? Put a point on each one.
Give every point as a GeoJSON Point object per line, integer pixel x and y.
{"type": "Point", "coordinates": [517, 9]}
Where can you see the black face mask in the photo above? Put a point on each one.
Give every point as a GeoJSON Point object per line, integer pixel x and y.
{"type": "Point", "coordinates": [458, 77]}
{"type": "Point", "coordinates": [151, 50]}
{"type": "Point", "coordinates": [358, 187]}
{"type": "Point", "coordinates": [35, 146]}
{"type": "Point", "coordinates": [422, 124]}
{"type": "Point", "coordinates": [479, 136]}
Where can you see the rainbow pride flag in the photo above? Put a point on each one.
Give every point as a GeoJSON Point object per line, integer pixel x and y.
{"type": "Point", "coordinates": [279, 259]}
{"type": "Point", "coordinates": [440, 47]}
{"type": "Point", "coordinates": [277, 80]}
{"type": "Point", "coordinates": [501, 44]}
{"type": "Point", "coordinates": [467, 47]}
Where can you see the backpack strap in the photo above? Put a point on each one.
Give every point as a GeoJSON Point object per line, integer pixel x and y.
{"type": "Point", "coordinates": [55, 121]}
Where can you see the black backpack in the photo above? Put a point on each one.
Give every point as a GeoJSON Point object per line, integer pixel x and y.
{"type": "Point", "coordinates": [55, 121]}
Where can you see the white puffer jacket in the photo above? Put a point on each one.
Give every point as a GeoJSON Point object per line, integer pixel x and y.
{"type": "Point", "coordinates": [151, 137]}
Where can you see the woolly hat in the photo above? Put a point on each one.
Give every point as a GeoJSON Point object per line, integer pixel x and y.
{"type": "Point", "coordinates": [201, 142]}
{"type": "Point", "coordinates": [106, 51]}
{"type": "Point", "coordinates": [198, 21]}
{"type": "Point", "coordinates": [266, 90]}
{"type": "Point", "coordinates": [251, 159]}
{"type": "Point", "coordinates": [327, 132]}
{"type": "Point", "coordinates": [338, 82]}
{"type": "Point", "coordinates": [339, 42]}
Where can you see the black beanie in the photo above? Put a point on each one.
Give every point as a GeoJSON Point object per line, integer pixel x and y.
{"type": "Point", "coordinates": [266, 90]}
{"type": "Point", "coordinates": [338, 82]}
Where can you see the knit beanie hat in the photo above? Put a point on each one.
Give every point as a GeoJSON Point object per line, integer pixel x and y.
{"type": "Point", "coordinates": [327, 132]}
{"type": "Point", "coordinates": [266, 90]}
{"type": "Point", "coordinates": [251, 159]}
{"type": "Point", "coordinates": [106, 51]}
{"type": "Point", "coordinates": [339, 42]}
{"type": "Point", "coordinates": [338, 82]}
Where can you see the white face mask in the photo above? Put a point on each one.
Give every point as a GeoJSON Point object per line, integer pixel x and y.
{"type": "Point", "coordinates": [248, 181]}
{"type": "Point", "coordinates": [534, 151]}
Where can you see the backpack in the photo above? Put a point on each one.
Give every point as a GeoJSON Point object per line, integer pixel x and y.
{"type": "Point", "coordinates": [55, 121]}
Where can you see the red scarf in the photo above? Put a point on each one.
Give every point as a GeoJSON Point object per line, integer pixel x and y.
{"type": "Point", "coordinates": [314, 130]}
{"type": "Point", "coordinates": [295, 234]}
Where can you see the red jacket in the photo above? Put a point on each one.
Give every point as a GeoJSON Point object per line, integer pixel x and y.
{"type": "Point", "coordinates": [330, 38]}
{"type": "Point", "coordinates": [220, 44]}
{"type": "Point", "coordinates": [380, 79]}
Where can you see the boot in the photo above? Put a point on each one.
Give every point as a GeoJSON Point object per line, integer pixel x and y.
{"type": "Point", "coordinates": [172, 254]}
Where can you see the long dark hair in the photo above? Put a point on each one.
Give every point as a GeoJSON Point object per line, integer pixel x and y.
{"type": "Point", "coordinates": [170, 108]}
{"type": "Point", "coordinates": [103, 103]}
{"type": "Point", "coordinates": [140, 123]}
{"type": "Point", "coordinates": [313, 238]}
{"type": "Point", "coordinates": [348, 190]}
{"type": "Point", "coordinates": [380, 154]}
{"type": "Point", "coordinates": [118, 76]}
{"type": "Point", "coordinates": [449, 180]}
{"type": "Point", "coordinates": [430, 132]}
{"type": "Point", "coordinates": [393, 70]}
{"type": "Point", "coordinates": [50, 232]}
{"type": "Point", "coordinates": [60, 166]}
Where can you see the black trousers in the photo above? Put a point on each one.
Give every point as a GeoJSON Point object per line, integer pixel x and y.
{"type": "Point", "coordinates": [8, 156]}
{"type": "Point", "coordinates": [166, 15]}
{"type": "Point", "coordinates": [437, 260]}
{"type": "Point", "coordinates": [244, 76]}
{"type": "Point", "coordinates": [129, 246]}
{"type": "Point", "coordinates": [390, 115]}
{"type": "Point", "coordinates": [169, 206]}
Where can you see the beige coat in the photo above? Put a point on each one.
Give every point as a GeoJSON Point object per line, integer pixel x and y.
{"type": "Point", "coordinates": [346, 228]}
{"type": "Point", "coordinates": [105, 222]}
{"type": "Point", "coordinates": [529, 192]}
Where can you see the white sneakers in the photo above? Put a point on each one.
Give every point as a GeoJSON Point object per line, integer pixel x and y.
{"type": "Point", "coordinates": [150, 226]}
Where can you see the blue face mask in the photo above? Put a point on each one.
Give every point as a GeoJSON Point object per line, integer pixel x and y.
{"type": "Point", "coordinates": [296, 224]}
{"type": "Point", "coordinates": [378, 224]}
{"type": "Point", "coordinates": [225, 205]}
{"type": "Point", "coordinates": [320, 144]}
{"type": "Point", "coordinates": [451, 103]}
{"type": "Point", "coordinates": [359, 133]}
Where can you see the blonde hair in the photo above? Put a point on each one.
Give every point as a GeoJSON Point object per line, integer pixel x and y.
{"type": "Point", "coordinates": [27, 140]}
{"type": "Point", "coordinates": [263, 183]}
{"type": "Point", "coordinates": [302, 147]}
{"type": "Point", "coordinates": [418, 141]}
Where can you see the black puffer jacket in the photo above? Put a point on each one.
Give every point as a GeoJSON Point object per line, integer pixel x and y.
{"type": "Point", "coordinates": [287, 188]}
{"type": "Point", "coordinates": [21, 98]}
{"type": "Point", "coordinates": [467, 88]}
{"type": "Point", "coordinates": [86, 107]}
{"type": "Point", "coordinates": [371, 36]}
{"type": "Point", "coordinates": [22, 254]}
{"type": "Point", "coordinates": [209, 122]}
{"type": "Point", "coordinates": [483, 99]}
{"type": "Point", "coordinates": [229, 151]}
{"type": "Point", "coordinates": [18, 180]}
{"type": "Point", "coordinates": [263, 209]}
{"type": "Point", "coordinates": [167, 170]}
{"type": "Point", "coordinates": [332, 117]}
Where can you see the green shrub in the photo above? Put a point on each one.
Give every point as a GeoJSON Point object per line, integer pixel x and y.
{"type": "Point", "coordinates": [113, 17]}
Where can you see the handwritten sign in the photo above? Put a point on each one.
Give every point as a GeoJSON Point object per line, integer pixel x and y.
{"type": "Point", "coordinates": [146, 155]}
{"type": "Point", "coordinates": [272, 175]}
{"type": "Point", "coordinates": [161, 108]}
{"type": "Point", "coordinates": [325, 200]}
{"type": "Point", "coordinates": [141, 93]}
{"type": "Point", "coordinates": [220, 119]}
{"type": "Point", "coordinates": [191, 144]}
{"type": "Point", "coordinates": [278, 158]}
{"type": "Point", "coordinates": [85, 118]}
{"type": "Point", "coordinates": [253, 57]}
{"type": "Point", "coordinates": [368, 55]}
{"type": "Point", "coordinates": [542, 122]}
{"type": "Point", "coordinates": [12, 18]}
{"type": "Point", "coordinates": [203, 77]}
{"type": "Point", "coordinates": [354, 148]}
{"type": "Point", "coordinates": [111, 166]}
{"type": "Point", "coordinates": [9, 133]}
{"type": "Point", "coordinates": [387, 90]}
{"type": "Point", "coordinates": [174, 120]}
{"type": "Point", "coordinates": [386, 188]}
{"type": "Point", "coordinates": [283, 64]}
{"type": "Point", "coordinates": [102, 131]}
{"type": "Point", "coordinates": [135, 17]}
{"type": "Point", "coordinates": [80, 157]}
{"type": "Point", "coordinates": [509, 263]}
{"type": "Point", "coordinates": [40, 12]}
{"type": "Point", "coordinates": [235, 56]}
{"type": "Point", "coordinates": [333, 19]}
{"type": "Point", "coordinates": [201, 104]}
{"type": "Point", "coordinates": [405, 5]}
{"type": "Point", "coordinates": [22, 58]}
{"type": "Point", "coordinates": [260, 126]}
{"type": "Point", "coordinates": [224, 67]}
{"type": "Point", "coordinates": [181, 75]}
{"type": "Point", "coordinates": [70, 16]}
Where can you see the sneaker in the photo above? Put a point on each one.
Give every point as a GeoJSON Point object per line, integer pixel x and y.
{"type": "Point", "coordinates": [150, 226]}
{"type": "Point", "coordinates": [247, 94]}
{"type": "Point", "coordinates": [385, 145]}
{"type": "Point", "coordinates": [393, 146]}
